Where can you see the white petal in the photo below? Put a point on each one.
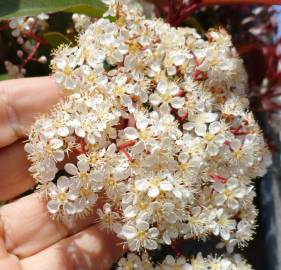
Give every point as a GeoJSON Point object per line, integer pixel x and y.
{"type": "Point", "coordinates": [131, 133]}
{"type": "Point", "coordinates": [138, 148]}
{"type": "Point", "coordinates": [177, 102]}
{"type": "Point", "coordinates": [29, 148]}
{"type": "Point", "coordinates": [233, 204]}
{"type": "Point", "coordinates": [130, 211]}
{"type": "Point", "coordinates": [225, 234]}
{"type": "Point", "coordinates": [150, 244]}
{"type": "Point", "coordinates": [63, 183]}
{"type": "Point", "coordinates": [162, 87]}
{"type": "Point", "coordinates": [69, 83]}
{"type": "Point", "coordinates": [80, 132]}
{"type": "Point", "coordinates": [91, 138]}
{"type": "Point", "coordinates": [174, 89]}
{"type": "Point", "coordinates": [209, 117]}
{"type": "Point", "coordinates": [235, 144]}
{"type": "Point", "coordinates": [200, 129]}
{"type": "Point", "coordinates": [188, 266]}
{"type": "Point", "coordinates": [53, 206]}
{"type": "Point", "coordinates": [125, 100]}
{"type": "Point", "coordinates": [153, 192]}
{"type": "Point", "coordinates": [56, 143]}
{"type": "Point", "coordinates": [63, 131]}
{"type": "Point", "coordinates": [142, 123]}
{"type": "Point", "coordinates": [188, 126]}
{"type": "Point", "coordinates": [59, 77]}
{"type": "Point", "coordinates": [142, 185]}
{"type": "Point", "coordinates": [129, 232]}
{"type": "Point", "coordinates": [178, 59]}
{"type": "Point", "coordinates": [69, 208]}
{"type": "Point", "coordinates": [167, 239]}
{"type": "Point", "coordinates": [142, 225]}
{"type": "Point", "coordinates": [48, 132]}
{"type": "Point", "coordinates": [59, 155]}
{"type": "Point", "coordinates": [154, 99]}
{"type": "Point", "coordinates": [71, 169]}
{"type": "Point", "coordinates": [83, 165]}
{"type": "Point", "coordinates": [166, 186]}
{"type": "Point", "coordinates": [61, 63]}
{"type": "Point", "coordinates": [134, 245]}
{"type": "Point", "coordinates": [152, 232]}
{"type": "Point", "coordinates": [214, 127]}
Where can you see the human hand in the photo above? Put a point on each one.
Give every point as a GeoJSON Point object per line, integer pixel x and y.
{"type": "Point", "coordinates": [29, 239]}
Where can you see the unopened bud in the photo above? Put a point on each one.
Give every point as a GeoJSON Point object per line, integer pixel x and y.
{"type": "Point", "coordinates": [20, 40]}
{"type": "Point", "coordinates": [42, 59]}
{"type": "Point", "coordinates": [20, 53]}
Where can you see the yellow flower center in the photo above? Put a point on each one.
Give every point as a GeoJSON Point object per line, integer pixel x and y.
{"type": "Point", "coordinates": [142, 235]}
{"type": "Point", "coordinates": [142, 206]}
{"type": "Point", "coordinates": [183, 167]}
{"type": "Point", "coordinates": [227, 192]}
{"type": "Point", "coordinates": [144, 135]}
{"type": "Point", "coordinates": [85, 192]}
{"type": "Point", "coordinates": [62, 197]}
{"type": "Point", "coordinates": [134, 48]}
{"type": "Point", "coordinates": [67, 71]}
{"type": "Point", "coordinates": [111, 182]}
{"type": "Point", "coordinates": [154, 182]}
{"type": "Point", "coordinates": [118, 90]}
{"type": "Point", "coordinates": [84, 176]}
{"type": "Point", "coordinates": [48, 149]}
{"type": "Point", "coordinates": [166, 97]}
{"type": "Point", "coordinates": [239, 154]}
{"type": "Point", "coordinates": [208, 137]}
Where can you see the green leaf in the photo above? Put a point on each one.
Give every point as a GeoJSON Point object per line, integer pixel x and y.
{"type": "Point", "coordinates": [16, 8]}
{"type": "Point", "coordinates": [193, 22]}
{"type": "Point", "coordinates": [4, 77]}
{"type": "Point", "coordinates": [55, 39]}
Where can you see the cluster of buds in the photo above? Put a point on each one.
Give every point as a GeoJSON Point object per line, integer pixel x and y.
{"type": "Point", "coordinates": [26, 31]}
{"type": "Point", "coordinates": [156, 129]}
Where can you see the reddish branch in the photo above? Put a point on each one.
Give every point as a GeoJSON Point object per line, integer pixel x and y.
{"type": "Point", "coordinates": [218, 178]}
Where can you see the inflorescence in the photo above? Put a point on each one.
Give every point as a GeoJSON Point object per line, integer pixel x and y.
{"type": "Point", "coordinates": [156, 129]}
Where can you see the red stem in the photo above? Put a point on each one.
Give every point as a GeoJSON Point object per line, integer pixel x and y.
{"type": "Point", "coordinates": [32, 53]}
{"type": "Point", "coordinates": [36, 38]}
{"type": "Point", "coordinates": [218, 178]}
{"type": "Point", "coordinates": [126, 145]}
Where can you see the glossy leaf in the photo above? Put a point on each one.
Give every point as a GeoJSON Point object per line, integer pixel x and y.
{"type": "Point", "coordinates": [16, 8]}
{"type": "Point", "coordinates": [55, 39]}
{"type": "Point", "coordinates": [4, 77]}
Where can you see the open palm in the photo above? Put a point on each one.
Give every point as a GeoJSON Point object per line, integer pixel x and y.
{"type": "Point", "coordinates": [29, 239]}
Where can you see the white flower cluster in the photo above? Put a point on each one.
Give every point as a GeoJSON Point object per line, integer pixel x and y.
{"type": "Point", "coordinates": [24, 30]}
{"type": "Point", "coordinates": [21, 25]}
{"type": "Point", "coordinates": [81, 21]}
{"type": "Point", "coordinates": [135, 262]}
{"type": "Point", "coordinates": [156, 126]}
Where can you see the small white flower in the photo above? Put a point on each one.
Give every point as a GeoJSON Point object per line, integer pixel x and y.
{"type": "Point", "coordinates": [223, 226]}
{"type": "Point", "coordinates": [167, 94]}
{"type": "Point", "coordinates": [229, 193]}
{"type": "Point", "coordinates": [198, 122]}
{"type": "Point", "coordinates": [140, 236]}
{"type": "Point", "coordinates": [180, 263]}
{"type": "Point", "coordinates": [60, 197]}
{"type": "Point", "coordinates": [154, 184]}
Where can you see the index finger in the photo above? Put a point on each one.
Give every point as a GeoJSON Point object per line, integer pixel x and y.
{"type": "Point", "coordinates": [21, 100]}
